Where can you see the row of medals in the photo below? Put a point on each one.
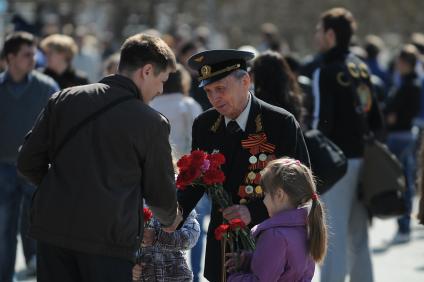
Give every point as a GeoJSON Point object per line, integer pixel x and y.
{"type": "Point", "coordinates": [254, 189]}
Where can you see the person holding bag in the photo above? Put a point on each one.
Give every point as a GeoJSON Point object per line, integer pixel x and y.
{"type": "Point", "coordinates": [275, 83]}
{"type": "Point", "coordinates": [337, 83]}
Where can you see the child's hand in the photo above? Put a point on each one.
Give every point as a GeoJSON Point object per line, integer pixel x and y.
{"type": "Point", "coordinates": [149, 237]}
{"type": "Point", "coordinates": [136, 272]}
{"type": "Point", "coordinates": [234, 261]}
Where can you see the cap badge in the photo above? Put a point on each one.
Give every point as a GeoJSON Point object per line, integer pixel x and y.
{"type": "Point", "coordinates": [205, 71]}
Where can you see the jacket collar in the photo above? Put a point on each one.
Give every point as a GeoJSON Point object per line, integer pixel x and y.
{"type": "Point", "coordinates": [122, 81]}
{"type": "Point", "coordinates": [255, 110]}
{"type": "Point", "coordinates": [290, 218]}
{"type": "Point", "coordinates": [6, 78]}
{"type": "Point", "coordinates": [335, 53]}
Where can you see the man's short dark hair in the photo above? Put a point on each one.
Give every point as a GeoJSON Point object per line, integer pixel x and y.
{"type": "Point", "coordinates": [14, 41]}
{"type": "Point", "coordinates": [142, 49]}
{"type": "Point", "coordinates": [342, 22]}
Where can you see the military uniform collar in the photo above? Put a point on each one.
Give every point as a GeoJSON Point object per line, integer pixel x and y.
{"type": "Point", "coordinates": [253, 123]}
{"type": "Point", "coordinates": [243, 117]}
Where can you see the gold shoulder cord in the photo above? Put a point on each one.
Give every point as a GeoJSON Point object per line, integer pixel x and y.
{"type": "Point", "coordinates": [216, 124]}
{"type": "Point", "coordinates": [258, 121]}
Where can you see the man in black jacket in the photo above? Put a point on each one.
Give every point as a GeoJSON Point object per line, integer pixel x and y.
{"type": "Point", "coordinates": [92, 179]}
{"type": "Point", "coordinates": [342, 92]}
{"type": "Point", "coordinates": [236, 121]}
{"type": "Point", "coordinates": [402, 107]}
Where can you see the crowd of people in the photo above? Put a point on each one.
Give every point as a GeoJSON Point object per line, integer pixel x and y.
{"type": "Point", "coordinates": [78, 161]}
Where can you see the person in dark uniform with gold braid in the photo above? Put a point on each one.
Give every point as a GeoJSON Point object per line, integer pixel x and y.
{"type": "Point", "coordinates": [248, 131]}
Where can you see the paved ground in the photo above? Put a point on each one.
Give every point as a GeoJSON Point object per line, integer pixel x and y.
{"type": "Point", "coordinates": [391, 263]}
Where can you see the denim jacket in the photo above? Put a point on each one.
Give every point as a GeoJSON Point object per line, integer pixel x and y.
{"type": "Point", "coordinates": [165, 261]}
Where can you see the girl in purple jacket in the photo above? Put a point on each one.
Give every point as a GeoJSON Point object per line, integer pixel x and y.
{"type": "Point", "coordinates": [290, 242]}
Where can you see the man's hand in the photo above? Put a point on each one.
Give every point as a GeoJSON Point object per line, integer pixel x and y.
{"type": "Point", "coordinates": [177, 222]}
{"type": "Point", "coordinates": [136, 272]}
{"type": "Point", "coordinates": [237, 211]}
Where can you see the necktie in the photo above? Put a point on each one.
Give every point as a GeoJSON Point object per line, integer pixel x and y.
{"type": "Point", "coordinates": [233, 127]}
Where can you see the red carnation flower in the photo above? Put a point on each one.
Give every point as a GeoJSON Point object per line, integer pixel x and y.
{"type": "Point", "coordinates": [186, 177]}
{"type": "Point", "coordinates": [184, 162]}
{"type": "Point", "coordinates": [148, 214]}
{"type": "Point", "coordinates": [198, 157]}
{"type": "Point", "coordinates": [216, 159]}
{"type": "Point", "coordinates": [221, 231]}
{"type": "Point", "coordinates": [237, 223]}
{"type": "Point", "coordinates": [213, 176]}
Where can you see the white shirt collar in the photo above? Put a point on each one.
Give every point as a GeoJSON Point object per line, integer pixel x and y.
{"type": "Point", "coordinates": [243, 117]}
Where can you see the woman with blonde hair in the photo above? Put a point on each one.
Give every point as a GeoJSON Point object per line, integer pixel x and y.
{"type": "Point", "coordinates": [60, 49]}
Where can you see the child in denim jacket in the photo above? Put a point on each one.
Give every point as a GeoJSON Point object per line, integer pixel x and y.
{"type": "Point", "coordinates": [162, 253]}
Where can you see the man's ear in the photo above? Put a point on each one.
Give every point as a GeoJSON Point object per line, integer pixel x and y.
{"type": "Point", "coordinates": [331, 37]}
{"type": "Point", "coordinates": [246, 80]}
{"type": "Point", "coordinates": [146, 70]}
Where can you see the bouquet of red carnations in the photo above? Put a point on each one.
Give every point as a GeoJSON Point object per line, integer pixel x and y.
{"type": "Point", "coordinates": [202, 169]}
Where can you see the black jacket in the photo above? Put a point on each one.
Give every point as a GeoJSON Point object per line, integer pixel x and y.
{"type": "Point", "coordinates": [70, 77]}
{"type": "Point", "coordinates": [405, 103]}
{"type": "Point", "coordinates": [209, 134]}
{"type": "Point", "coordinates": [343, 81]}
{"type": "Point", "coordinates": [89, 198]}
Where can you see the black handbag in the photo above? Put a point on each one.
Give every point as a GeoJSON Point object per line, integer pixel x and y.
{"type": "Point", "coordinates": [382, 183]}
{"type": "Point", "coordinates": [328, 161]}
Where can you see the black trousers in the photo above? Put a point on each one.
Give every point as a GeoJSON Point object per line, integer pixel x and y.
{"type": "Point", "coordinates": [56, 264]}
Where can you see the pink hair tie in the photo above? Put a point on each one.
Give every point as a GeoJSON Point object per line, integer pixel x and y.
{"type": "Point", "coordinates": [314, 197]}
{"type": "Point", "coordinates": [290, 162]}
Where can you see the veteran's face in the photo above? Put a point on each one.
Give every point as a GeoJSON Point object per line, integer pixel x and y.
{"type": "Point", "coordinates": [229, 96]}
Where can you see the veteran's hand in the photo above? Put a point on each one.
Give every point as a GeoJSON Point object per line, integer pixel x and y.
{"type": "Point", "coordinates": [177, 222]}
{"type": "Point", "coordinates": [237, 211]}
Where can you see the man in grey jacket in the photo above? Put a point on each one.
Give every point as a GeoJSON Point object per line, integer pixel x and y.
{"type": "Point", "coordinates": [95, 152]}
{"type": "Point", "coordinates": [23, 94]}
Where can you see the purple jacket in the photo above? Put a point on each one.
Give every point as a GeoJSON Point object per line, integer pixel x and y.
{"type": "Point", "coordinates": [281, 250]}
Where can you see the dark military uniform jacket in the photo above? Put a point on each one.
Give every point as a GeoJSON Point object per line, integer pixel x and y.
{"type": "Point", "coordinates": [345, 91]}
{"type": "Point", "coordinates": [282, 132]}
